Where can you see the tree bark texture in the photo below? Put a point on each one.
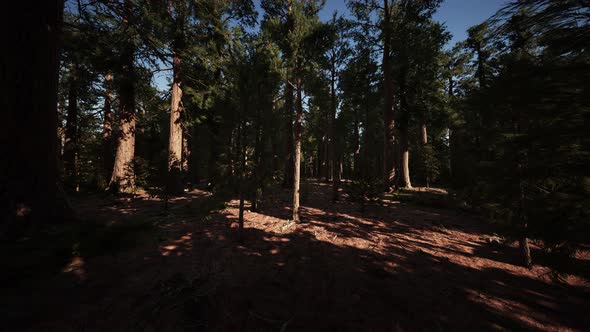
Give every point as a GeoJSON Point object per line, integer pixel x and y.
{"type": "Point", "coordinates": [122, 178]}
{"type": "Point", "coordinates": [175, 162]}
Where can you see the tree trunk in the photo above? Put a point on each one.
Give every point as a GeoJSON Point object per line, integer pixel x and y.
{"type": "Point", "coordinates": [297, 136]}
{"type": "Point", "coordinates": [404, 137]}
{"type": "Point", "coordinates": [288, 174]}
{"type": "Point", "coordinates": [405, 156]}
{"type": "Point", "coordinates": [122, 178]}
{"type": "Point", "coordinates": [28, 165]}
{"type": "Point", "coordinates": [333, 149]}
{"type": "Point", "coordinates": [107, 128]}
{"type": "Point", "coordinates": [175, 182]}
{"type": "Point", "coordinates": [174, 185]}
{"type": "Point", "coordinates": [388, 111]}
{"type": "Point", "coordinates": [526, 252]}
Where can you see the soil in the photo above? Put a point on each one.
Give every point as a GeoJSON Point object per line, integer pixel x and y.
{"type": "Point", "coordinates": [394, 267]}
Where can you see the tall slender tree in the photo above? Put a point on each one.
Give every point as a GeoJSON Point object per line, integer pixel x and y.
{"type": "Point", "coordinates": [293, 24]}
{"type": "Point", "coordinates": [336, 54]}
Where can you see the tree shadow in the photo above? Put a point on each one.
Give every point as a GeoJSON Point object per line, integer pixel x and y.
{"type": "Point", "coordinates": [296, 280]}
{"type": "Point", "coordinates": [389, 269]}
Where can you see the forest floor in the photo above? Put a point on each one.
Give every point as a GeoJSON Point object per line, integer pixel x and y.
{"type": "Point", "coordinates": [395, 267]}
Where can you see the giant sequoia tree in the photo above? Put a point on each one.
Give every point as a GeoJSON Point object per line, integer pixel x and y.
{"type": "Point", "coordinates": [123, 175]}
{"type": "Point", "coordinates": [178, 11]}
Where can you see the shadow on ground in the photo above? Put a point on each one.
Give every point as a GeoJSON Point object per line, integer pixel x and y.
{"type": "Point", "coordinates": [392, 268]}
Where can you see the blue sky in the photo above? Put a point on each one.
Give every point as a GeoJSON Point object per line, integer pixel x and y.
{"type": "Point", "coordinates": [458, 15]}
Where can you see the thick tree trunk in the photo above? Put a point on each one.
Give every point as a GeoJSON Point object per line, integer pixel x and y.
{"type": "Point", "coordinates": [175, 186]}
{"type": "Point", "coordinates": [388, 111]}
{"type": "Point", "coordinates": [28, 164]}
{"type": "Point", "coordinates": [175, 162]}
{"type": "Point", "coordinates": [297, 136]}
{"type": "Point", "coordinates": [70, 155]}
{"type": "Point", "coordinates": [122, 178]}
{"type": "Point", "coordinates": [107, 128]}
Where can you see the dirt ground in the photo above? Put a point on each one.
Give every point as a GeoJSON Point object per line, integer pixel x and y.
{"type": "Point", "coordinates": [394, 267]}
